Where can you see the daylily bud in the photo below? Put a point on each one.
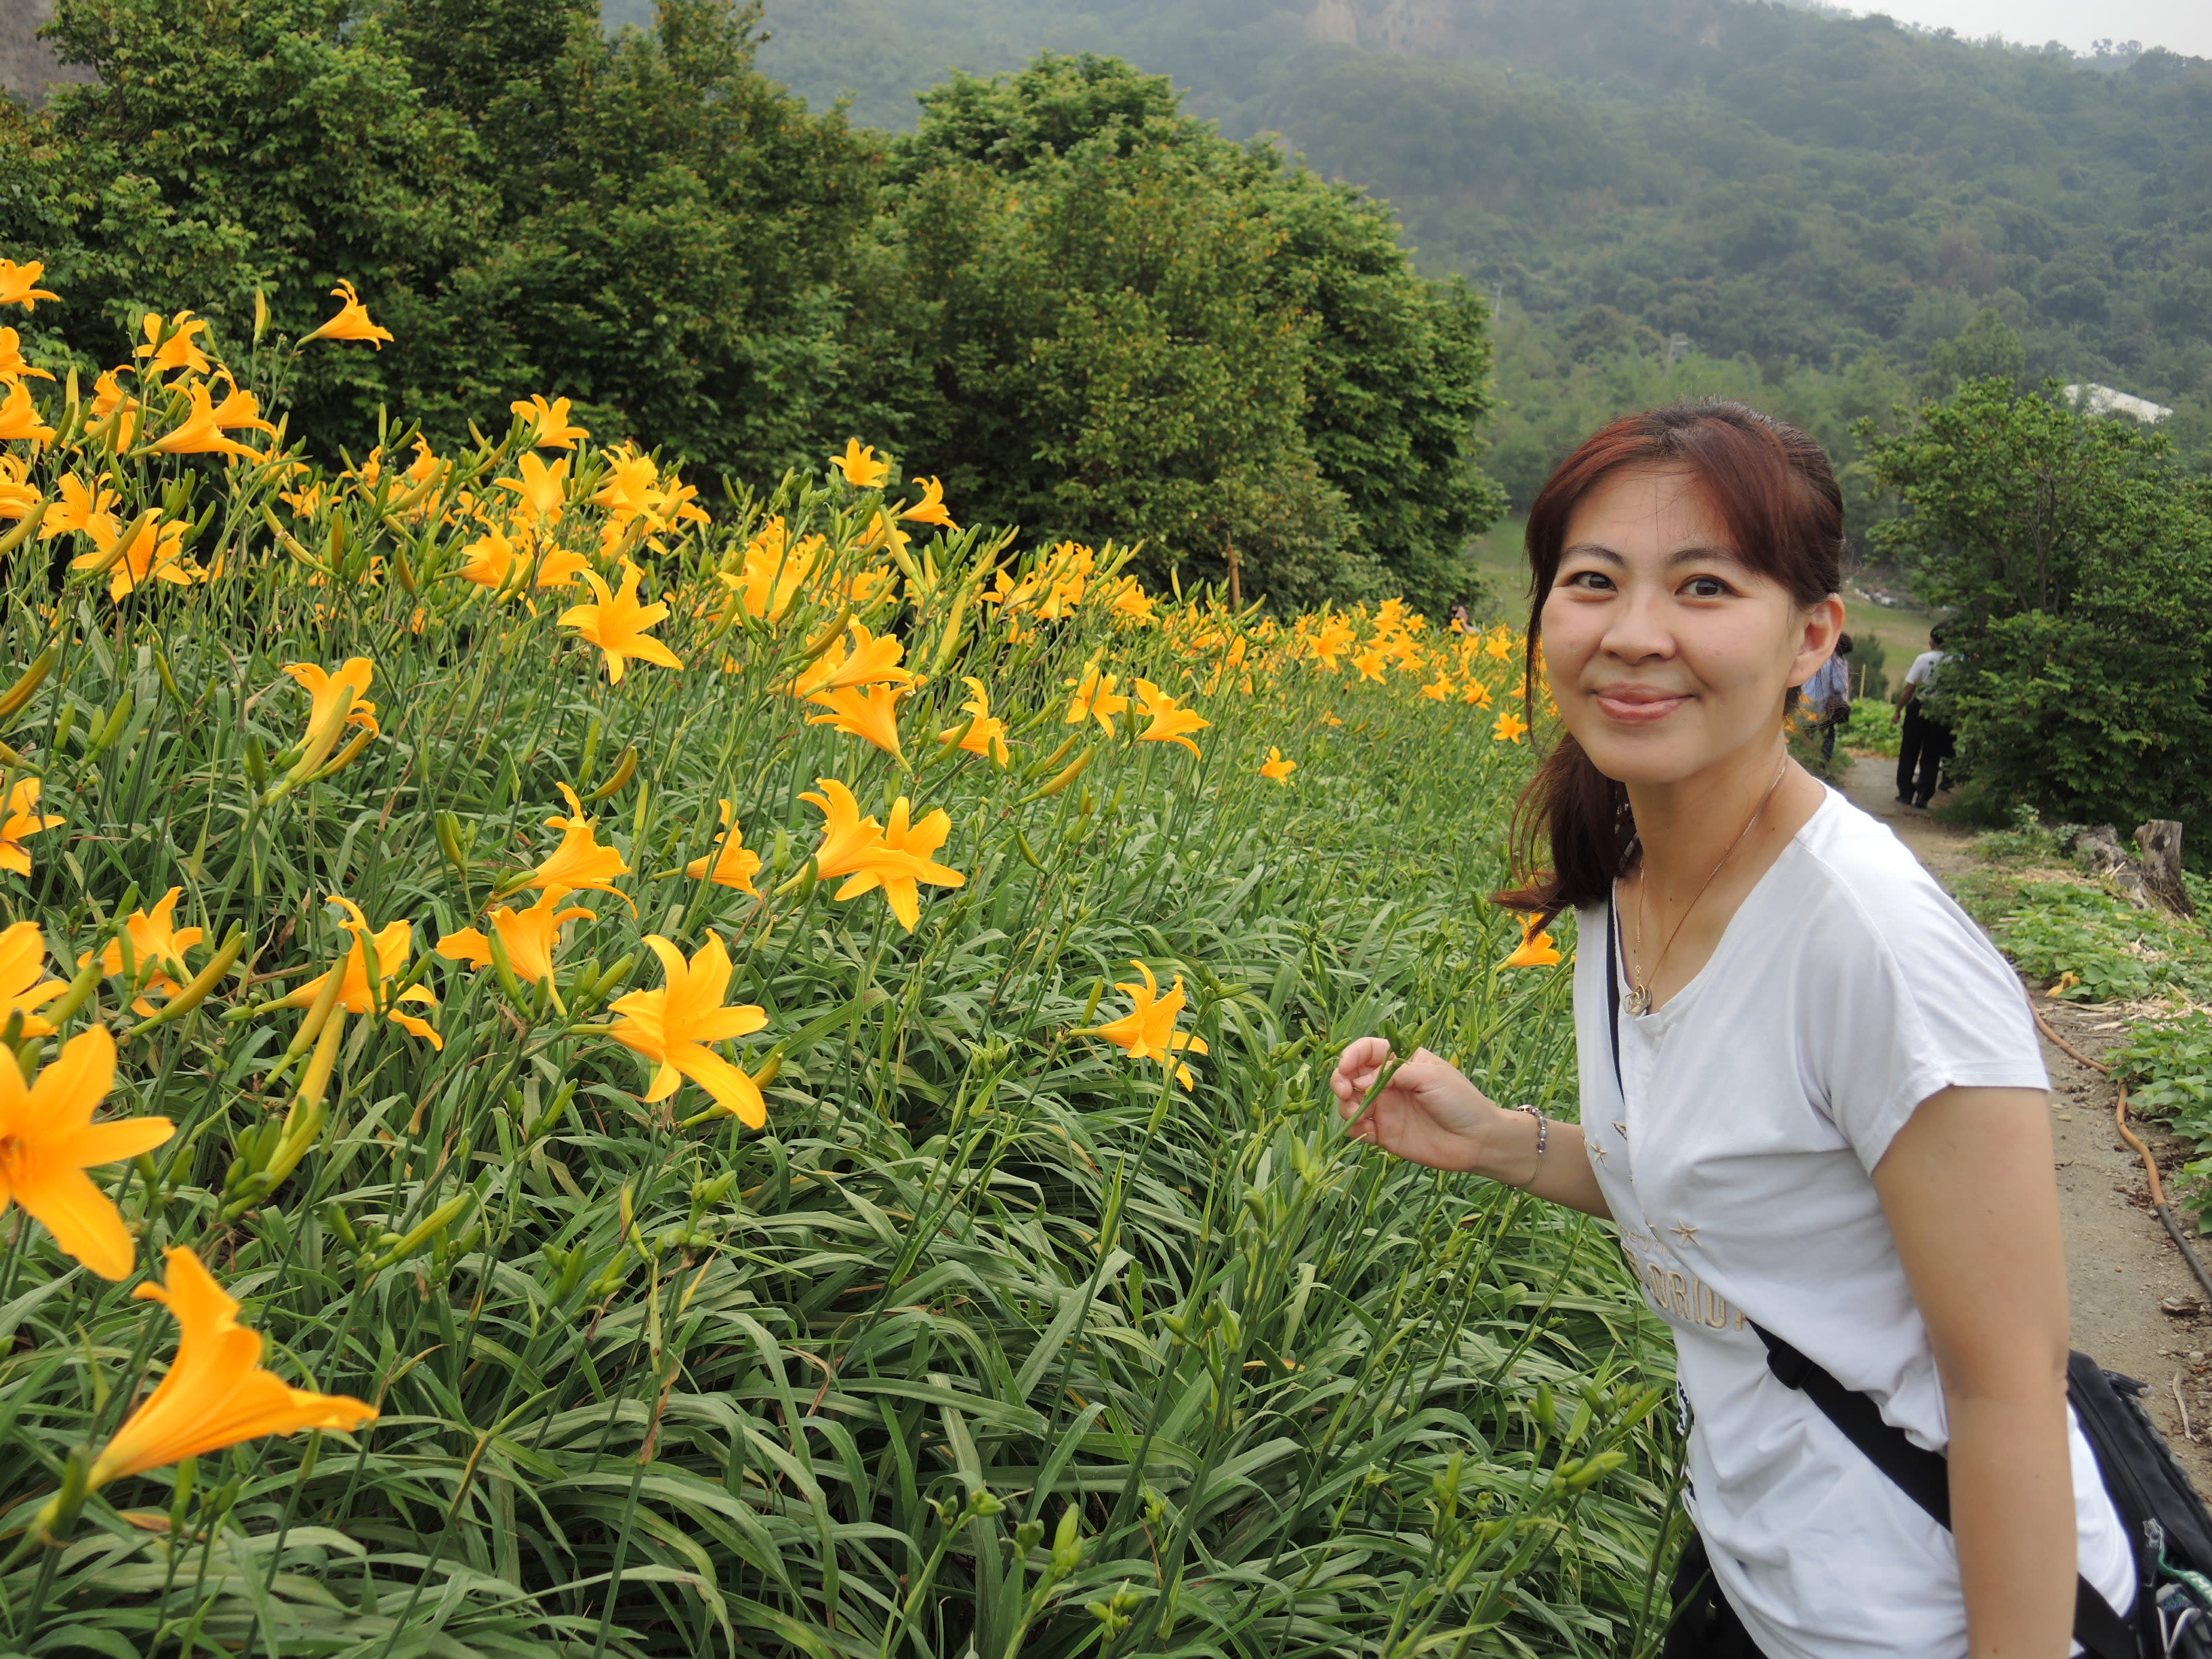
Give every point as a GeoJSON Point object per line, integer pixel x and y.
{"type": "Point", "coordinates": [26, 684]}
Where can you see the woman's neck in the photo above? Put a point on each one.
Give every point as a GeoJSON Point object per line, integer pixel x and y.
{"type": "Point", "coordinates": [1687, 826]}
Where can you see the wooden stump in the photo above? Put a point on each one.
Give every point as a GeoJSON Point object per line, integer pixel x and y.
{"type": "Point", "coordinates": [2159, 843]}
{"type": "Point", "coordinates": [2100, 847]}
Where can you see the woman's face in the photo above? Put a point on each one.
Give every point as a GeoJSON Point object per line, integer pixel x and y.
{"type": "Point", "coordinates": [1668, 654]}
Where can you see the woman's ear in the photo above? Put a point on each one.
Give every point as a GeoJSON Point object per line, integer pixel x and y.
{"type": "Point", "coordinates": [1821, 622]}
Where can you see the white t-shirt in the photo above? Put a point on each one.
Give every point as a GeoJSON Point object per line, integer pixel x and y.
{"type": "Point", "coordinates": [1737, 1160]}
{"type": "Point", "coordinates": [1922, 671]}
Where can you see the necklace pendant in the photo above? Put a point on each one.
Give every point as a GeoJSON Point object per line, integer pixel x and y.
{"type": "Point", "coordinates": [1639, 999]}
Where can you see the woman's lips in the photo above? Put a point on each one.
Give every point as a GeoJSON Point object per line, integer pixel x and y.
{"type": "Point", "coordinates": [1638, 705]}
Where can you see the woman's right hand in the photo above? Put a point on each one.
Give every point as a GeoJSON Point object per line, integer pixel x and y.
{"type": "Point", "coordinates": [1429, 1113]}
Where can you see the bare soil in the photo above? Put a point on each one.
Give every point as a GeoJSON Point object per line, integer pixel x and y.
{"type": "Point", "coordinates": [2136, 1306]}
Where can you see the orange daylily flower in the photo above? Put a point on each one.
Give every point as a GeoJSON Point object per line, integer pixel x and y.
{"type": "Point", "coordinates": [773, 570]}
{"type": "Point", "coordinates": [1536, 949]}
{"type": "Point", "coordinates": [1133, 604]}
{"type": "Point", "coordinates": [13, 367]}
{"type": "Point", "coordinates": [216, 1393]}
{"type": "Point", "coordinates": [931, 508]}
{"type": "Point", "coordinates": [1369, 664]}
{"type": "Point", "coordinates": [549, 425]}
{"type": "Point", "coordinates": [1510, 729]}
{"type": "Point", "coordinates": [18, 285]}
{"type": "Point", "coordinates": [1331, 642]}
{"type": "Point", "coordinates": [17, 496]}
{"type": "Point", "coordinates": [1440, 689]}
{"type": "Point", "coordinates": [201, 433]}
{"type": "Point", "coordinates": [1276, 769]}
{"type": "Point", "coordinates": [984, 733]}
{"type": "Point", "coordinates": [180, 350]}
{"type": "Point", "coordinates": [870, 661]}
{"type": "Point", "coordinates": [1148, 1029]}
{"type": "Point", "coordinates": [492, 558]}
{"type": "Point", "coordinates": [1095, 700]}
{"type": "Point", "coordinates": [731, 864]}
{"type": "Point", "coordinates": [1169, 724]}
{"type": "Point", "coordinates": [351, 323]}
{"type": "Point", "coordinates": [20, 816]}
{"type": "Point", "coordinates": [847, 837]}
{"type": "Point", "coordinates": [336, 700]}
{"type": "Point", "coordinates": [528, 936]}
{"type": "Point", "coordinates": [390, 947]}
{"type": "Point", "coordinates": [859, 465]}
{"type": "Point", "coordinates": [79, 505]}
{"type": "Point", "coordinates": [617, 623]}
{"type": "Point", "coordinates": [675, 1026]}
{"type": "Point", "coordinates": [542, 489]}
{"type": "Point", "coordinates": [48, 1141]}
{"type": "Point", "coordinates": [1500, 644]}
{"type": "Point", "coordinates": [151, 551]}
{"type": "Point", "coordinates": [19, 419]}
{"type": "Point", "coordinates": [22, 959]}
{"type": "Point", "coordinates": [870, 713]}
{"type": "Point", "coordinates": [157, 952]}
{"type": "Point", "coordinates": [905, 855]}
{"type": "Point", "coordinates": [1477, 695]}
{"type": "Point", "coordinates": [580, 863]}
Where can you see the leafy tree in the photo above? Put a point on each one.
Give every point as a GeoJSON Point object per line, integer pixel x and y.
{"type": "Point", "coordinates": [2078, 567]}
{"type": "Point", "coordinates": [1127, 326]}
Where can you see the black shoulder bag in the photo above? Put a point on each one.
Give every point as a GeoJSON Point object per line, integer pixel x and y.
{"type": "Point", "coordinates": [2169, 1529]}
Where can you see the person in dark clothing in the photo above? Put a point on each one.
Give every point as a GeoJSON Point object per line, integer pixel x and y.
{"type": "Point", "coordinates": [1927, 742]}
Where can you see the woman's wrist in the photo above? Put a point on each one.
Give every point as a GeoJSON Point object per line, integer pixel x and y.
{"type": "Point", "coordinates": [1513, 1147]}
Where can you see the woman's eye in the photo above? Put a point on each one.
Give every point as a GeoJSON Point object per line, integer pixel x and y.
{"type": "Point", "coordinates": [1706, 588]}
{"type": "Point", "coordinates": [1594, 581]}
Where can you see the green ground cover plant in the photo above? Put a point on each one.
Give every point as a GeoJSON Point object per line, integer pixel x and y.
{"type": "Point", "coordinates": [933, 1312]}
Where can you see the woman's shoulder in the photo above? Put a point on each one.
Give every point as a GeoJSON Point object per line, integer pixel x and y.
{"type": "Point", "coordinates": [1864, 884]}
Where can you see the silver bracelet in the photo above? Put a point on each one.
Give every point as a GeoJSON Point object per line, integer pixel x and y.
{"type": "Point", "coordinates": [1543, 1141]}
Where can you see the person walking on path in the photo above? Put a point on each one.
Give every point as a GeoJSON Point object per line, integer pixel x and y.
{"type": "Point", "coordinates": [1828, 695]}
{"type": "Point", "coordinates": [1928, 743]}
{"type": "Point", "coordinates": [1812, 1102]}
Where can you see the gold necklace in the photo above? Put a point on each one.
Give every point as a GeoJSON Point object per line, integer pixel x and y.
{"type": "Point", "coordinates": [1639, 990]}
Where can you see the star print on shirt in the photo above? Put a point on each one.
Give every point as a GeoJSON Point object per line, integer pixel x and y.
{"type": "Point", "coordinates": [1683, 1230]}
{"type": "Point", "coordinates": [1596, 1149]}
{"type": "Point", "coordinates": [1620, 1128]}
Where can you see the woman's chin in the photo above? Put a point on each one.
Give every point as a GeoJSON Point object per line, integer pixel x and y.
{"type": "Point", "coordinates": [1655, 757]}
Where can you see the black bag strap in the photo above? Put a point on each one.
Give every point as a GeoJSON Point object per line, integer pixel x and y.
{"type": "Point", "coordinates": [1922, 1476]}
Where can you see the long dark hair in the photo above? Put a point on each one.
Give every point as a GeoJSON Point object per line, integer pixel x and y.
{"type": "Point", "coordinates": [1773, 489]}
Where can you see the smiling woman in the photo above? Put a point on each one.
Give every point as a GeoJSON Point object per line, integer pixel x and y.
{"type": "Point", "coordinates": [1811, 1095]}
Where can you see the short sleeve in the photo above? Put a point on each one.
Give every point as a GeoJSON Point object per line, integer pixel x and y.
{"type": "Point", "coordinates": [1912, 999]}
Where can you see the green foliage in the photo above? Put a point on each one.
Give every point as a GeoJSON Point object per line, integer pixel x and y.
{"type": "Point", "coordinates": [2086, 944]}
{"type": "Point", "coordinates": [2024, 839]}
{"type": "Point", "coordinates": [1126, 325]}
{"type": "Point", "coordinates": [2078, 569]}
{"type": "Point", "coordinates": [1776, 182]}
{"type": "Point", "coordinates": [2168, 1066]}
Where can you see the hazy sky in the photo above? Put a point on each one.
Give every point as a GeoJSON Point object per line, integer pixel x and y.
{"type": "Point", "coordinates": [2186, 25]}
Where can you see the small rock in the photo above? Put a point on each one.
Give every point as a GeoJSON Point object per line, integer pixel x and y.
{"type": "Point", "coordinates": [2182, 1306]}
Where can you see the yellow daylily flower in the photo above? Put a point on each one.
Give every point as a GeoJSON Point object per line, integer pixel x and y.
{"type": "Point", "coordinates": [542, 490]}
{"type": "Point", "coordinates": [1095, 699]}
{"type": "Point", "coordinates": [13, 367]}
{"type": "Point", "coordinates": [549, 425]}
{"type": "Point", "coordinates": [580, 863]}
{"type": "Point", "coordinates": [335, 700]}
{"type": "Point", "coordinates": [152, 551]}
{"type": "Point", "coordinates": [617, 623]}
{"type": "Point", "coordinates": [390, 947]}
{"type": "Point", "coordinates": [48, 1141]}
{"type": "Point", "coordinates": [1169, 723]}
{"type": "Point", "coordinates": [773, 571]}
{"type": "Point", "coordinates": [675, 1026]}
{"type": "Point", "coordinates": [18, 285]}
{"type": "Point", "coordinates": [869, 661]}
{"type": "Point", "coordinates": [859, 465]}
{"type": "Point", "coordinates": [1477, 695]}
{"type": "Point", "coordinates": [216, 1393]}
{"type": "Point", "coordinates": [19, 419]}
{"type": "Point", "coordinates": [1536, 949]}
{"type": "Point", "coordinates": [931, 508]}
{"type": "Point", "coordinates": [1276, 769]}
{"type": "Point", "coordinates": [869, 713]}
{"type": "Point", "coordinates": [352, 322]}
{"type": "Point", "coordinates": [180, 350]}
{"type": "Point", "coordinates": [529, 937]}
{"type": "Point", "coordinates": [985, 734]}
{"type": "Point", "coordinates": [1370, 663]}
{"type": "Point", "coordinates": [20, 816]}
{"type": "Point", "coordinates": [903, 856]}
{"type": "Point", "coordinates": [731, 864]}
{"type": "Point", "coordinates": [22, 959]}
{"type": "Point", "coordinates": [157, 952]}
{"type": "Point", "coordinates": [201, 433]}
{"type": "Point", "coordinates": [1440, 689]}
{"type": "Point", "coordinates": [1510, 729]}
{"type": "Point", "coordinates": [89, 507]}
{"type": "Point", "coordinates": [1148, 1029]}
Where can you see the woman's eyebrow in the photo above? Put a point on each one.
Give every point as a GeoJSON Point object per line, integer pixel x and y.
{"type": "Point", "coordinates": [1594, 550]}
{"type": "Point", "coordinates": [1703, 553]}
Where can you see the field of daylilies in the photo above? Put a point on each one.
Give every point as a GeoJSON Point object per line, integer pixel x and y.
{"type": "Point", "coordinates": [589, 1071]}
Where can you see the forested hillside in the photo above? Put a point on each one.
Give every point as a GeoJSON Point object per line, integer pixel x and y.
{"type": "Point", "coordinates": [1833, 198]}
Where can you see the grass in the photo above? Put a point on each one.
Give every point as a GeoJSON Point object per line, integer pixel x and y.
{"type": "Point", "coordinates": [993, 1339]}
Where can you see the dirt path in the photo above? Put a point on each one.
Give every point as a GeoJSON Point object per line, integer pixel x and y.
{"type": "Point", "coordinates": [2124, 1276]}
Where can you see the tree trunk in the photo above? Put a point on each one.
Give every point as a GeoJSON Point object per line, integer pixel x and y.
{"type": "Point", "coordinates": [2100, 848]}
{"type": "Point", "coordinates": [1236, 587]}
{"type": "Point", "coordinates": [2160, 843]}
